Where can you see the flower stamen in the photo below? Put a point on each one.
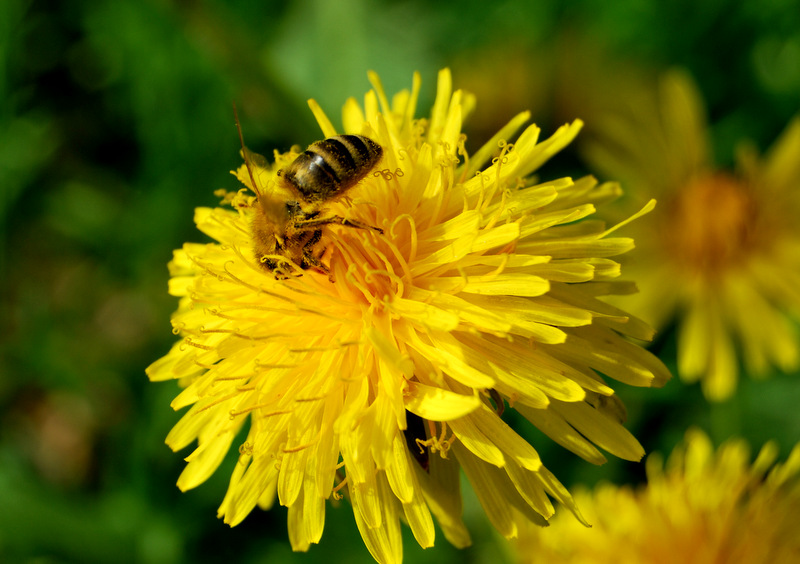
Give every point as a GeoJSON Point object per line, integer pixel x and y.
{"type": "Point", "coordinates": [335, 491]}
{"type": "Point", "coordinates": [412, 237]}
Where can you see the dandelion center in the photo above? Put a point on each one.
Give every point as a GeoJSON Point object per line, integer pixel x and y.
{"type": "Point", "coordinates": [711, 223]}
{"type": "Point", "coordinates": [372, 266]}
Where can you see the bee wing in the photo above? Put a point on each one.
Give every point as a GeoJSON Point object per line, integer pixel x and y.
{"type": "Point", "coordinates": [256, 161]}
{"type": "Point", "coordinates": [255, 169]}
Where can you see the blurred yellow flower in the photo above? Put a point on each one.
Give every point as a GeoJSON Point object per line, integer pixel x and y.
{"type": "Point", "coordinates": [704, 506]}
{"type": "Point", "coordinates": [723, 251]}
{"type": "Point", "coordinates": [384, 379]}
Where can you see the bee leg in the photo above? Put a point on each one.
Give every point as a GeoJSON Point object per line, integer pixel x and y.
{"type": "Point", "coordinates": [337, 220]}
{"type": "Point", "coordinates": [311, 260]}
{"type": "Point", "coordinates": [357, 224]}
{"type": "Point", "coordinates": [324, 267]}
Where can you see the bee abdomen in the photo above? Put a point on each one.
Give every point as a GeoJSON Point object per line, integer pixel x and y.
{"type": "Point", "coordinates": [330, 167]}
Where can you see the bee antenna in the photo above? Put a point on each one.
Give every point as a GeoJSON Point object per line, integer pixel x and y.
{"type": "Point", "coordinates": [244, 151]}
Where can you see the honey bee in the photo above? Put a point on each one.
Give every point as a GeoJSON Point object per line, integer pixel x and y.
{"type": "Point", "coordinates": [290, 218]}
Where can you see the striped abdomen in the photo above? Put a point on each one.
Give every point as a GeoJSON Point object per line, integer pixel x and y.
{"type": "Point", "coordinates": [330, 167]}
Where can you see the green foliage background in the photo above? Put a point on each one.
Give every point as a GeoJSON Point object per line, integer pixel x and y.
{"type": "Point", "coordinates": [116, 121]}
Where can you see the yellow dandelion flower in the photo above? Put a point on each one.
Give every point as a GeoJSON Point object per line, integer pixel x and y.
{"type": "Point", "coordinates": [723, 250]}
{"type": "Point", "coordinates": [704, 506]}
{"type": "Point", "coordinates": [386, 369]}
